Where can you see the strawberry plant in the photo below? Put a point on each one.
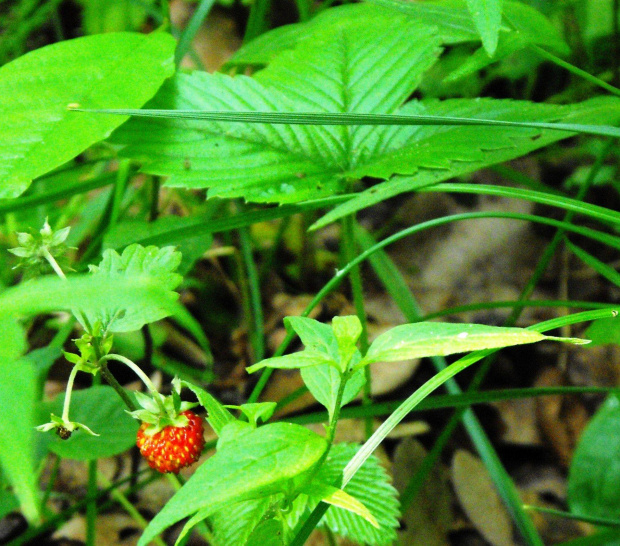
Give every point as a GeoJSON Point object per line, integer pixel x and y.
{"type": "Point", "coordinates": [187, 227]}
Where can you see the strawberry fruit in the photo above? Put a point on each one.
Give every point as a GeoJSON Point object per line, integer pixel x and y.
{"type": "Point", "coordinates": [174, 446]}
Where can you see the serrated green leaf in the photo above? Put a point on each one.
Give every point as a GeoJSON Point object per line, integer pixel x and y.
{"type": "Point", "coordinates": [18, 393]}
{"type": "Point", "coordinates": [424, 339]}
{"type": "Point", "coordinates": [594, 476]}
{"type": "Point", "coordinates": [191, 248]}
{"type": "Point", "coordinates": [38, 133]}
{"type": "Point", "coordinates": [451, 18]}
{"type": "Point", "coordinates": [487, 16]}
{"type": "Point", "coordinates": [323, 381]}
{"type": "Point", "coordinates": [289, 163]}
{"type": "Point", "coordinates": [268, 533]}
{"type": "Point", "coordinates": [256, 465]}
{"type": "Point", "coordinates": [233, 525]}
{"type": "Point", "coordinates": [217, 415]}
{"type": "Point", "coordinates": [370, 486]}
{"type": "Point", "coordinates": [438, 153]}
{"type": "Point", "coordinates": [136, 261]}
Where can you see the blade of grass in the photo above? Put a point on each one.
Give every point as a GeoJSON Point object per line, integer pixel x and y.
{"type": "Point", "coordinates": [577, 71]}
{"type": "Point", "coordinates": [601, 268]}
{"type": "Point", "coordinates": [311, 118]}
{"type": "Point", "coordinates": [605, 522]}
{"type": "Point", "coordinates": [437, 402]}
{"type": "Point", "coordinates": [187, 36]}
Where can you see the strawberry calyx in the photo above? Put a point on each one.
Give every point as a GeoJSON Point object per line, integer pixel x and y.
{"type": "Point", "coordinates": [158, 412]}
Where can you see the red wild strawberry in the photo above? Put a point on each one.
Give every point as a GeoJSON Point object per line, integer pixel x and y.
{"type": "Point", "coordinates": [173, 447]}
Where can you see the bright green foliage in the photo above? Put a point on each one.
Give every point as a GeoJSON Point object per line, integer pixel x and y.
{"type": "Point", "coordinates": [18, 393]}
{"type": "Point", "coordinates": [594, 477]}
{"type": "Point", "coordinates": [323, 381]}
{"type": "Point", "coordinates": [101, 409]}
{"type": "Point", "coordinates": [604, 331]}
{"type": "Point", "coordinates": [370, 486]}
{"type": "Point", "coordinates": [487, 16]}
{"type": "Point", "coordinates": [233, 525]}
{"type": "Point", "coordinates": [451, 18]}
{"type": "Point", "coordinates": [38, 132]}
{"type": "Point", "coordinates": [267, 533]}
{"type": "Point", "coordinates": [334, 70]}
{"type": "Point", "coordinates": [256, 412]}
{"type": "Point", "coordinates": [95, 293]}
{"type": "Point", "coordinates": [337, 497]}
{"type": "Point", "coordinates": [265, 461]}
{"type": "Point", "coordinates": [113, 15]}
{"type": "Point", "coordinates": [157, 265]}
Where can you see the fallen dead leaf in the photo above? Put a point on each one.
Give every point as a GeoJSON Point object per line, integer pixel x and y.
{"type": "Point", "coordinates": [428, 518]}
{"type": "Point", "coordinates": [479, 499]}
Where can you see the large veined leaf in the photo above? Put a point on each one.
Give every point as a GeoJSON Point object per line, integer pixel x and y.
{"type": "Point", "coordinates": [436, 153]}
{"type": "Point", "coordinates": [102, 410]}
{"type": "Point", "coordinates": [150, 262]}
{"type": "Point", "coordinates": [233, 525]}
{"type": "Point", "coordinates": [451, 18]}
{"type": "Point", "coordinates": [256, 465]}
{"type": "Point", "coordinates": [38, 132]}
{"type": "Point", "coordinates": [370, 486]}
{"type": "Point", "coordinates": [337, 70]}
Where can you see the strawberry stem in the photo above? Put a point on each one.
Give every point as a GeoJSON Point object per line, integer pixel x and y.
{"type": "Point", "coordinates": [145, 378]}
{"type": "Point", "coordinates": [52, 261]}
{"type": "Point", "coordinates": [67, 403]}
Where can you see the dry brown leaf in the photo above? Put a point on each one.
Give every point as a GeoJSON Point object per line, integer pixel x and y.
{"type": "Point", "coordinates": [479, 499]}
{"type": "Point", "coordinates": [428, 518]}
{"type": "Point", "coordinates": [561, 418]}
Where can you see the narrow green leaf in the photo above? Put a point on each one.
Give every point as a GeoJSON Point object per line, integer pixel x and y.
{"type": "Point", "coordinates": [594, 476]}
{"type": "Point", "coordinates": [323, 381]}
{"type": "Point", "coordinates": [337, 497]}
{"type": "Point", "coordinates": [316, 336]}
{"type": "Point", "coordinates": [102, 410]}
{"type": "Point", "coordinates": [217, 415]}
{"type": "Point", "coordinates": [487, 16]}
{"type": "Point", "coordinates": [600, 267]}
{"type": "Point", "coordinates": [18, 393]}
{"type": "Point", "coordinates": [439, 339]}
{"type": "Point", "coordinates": [38, 133]}
{"type": "Point", "coordinates": [258, 464]}
{"type": "Point", "coordinates": [300, 359]}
